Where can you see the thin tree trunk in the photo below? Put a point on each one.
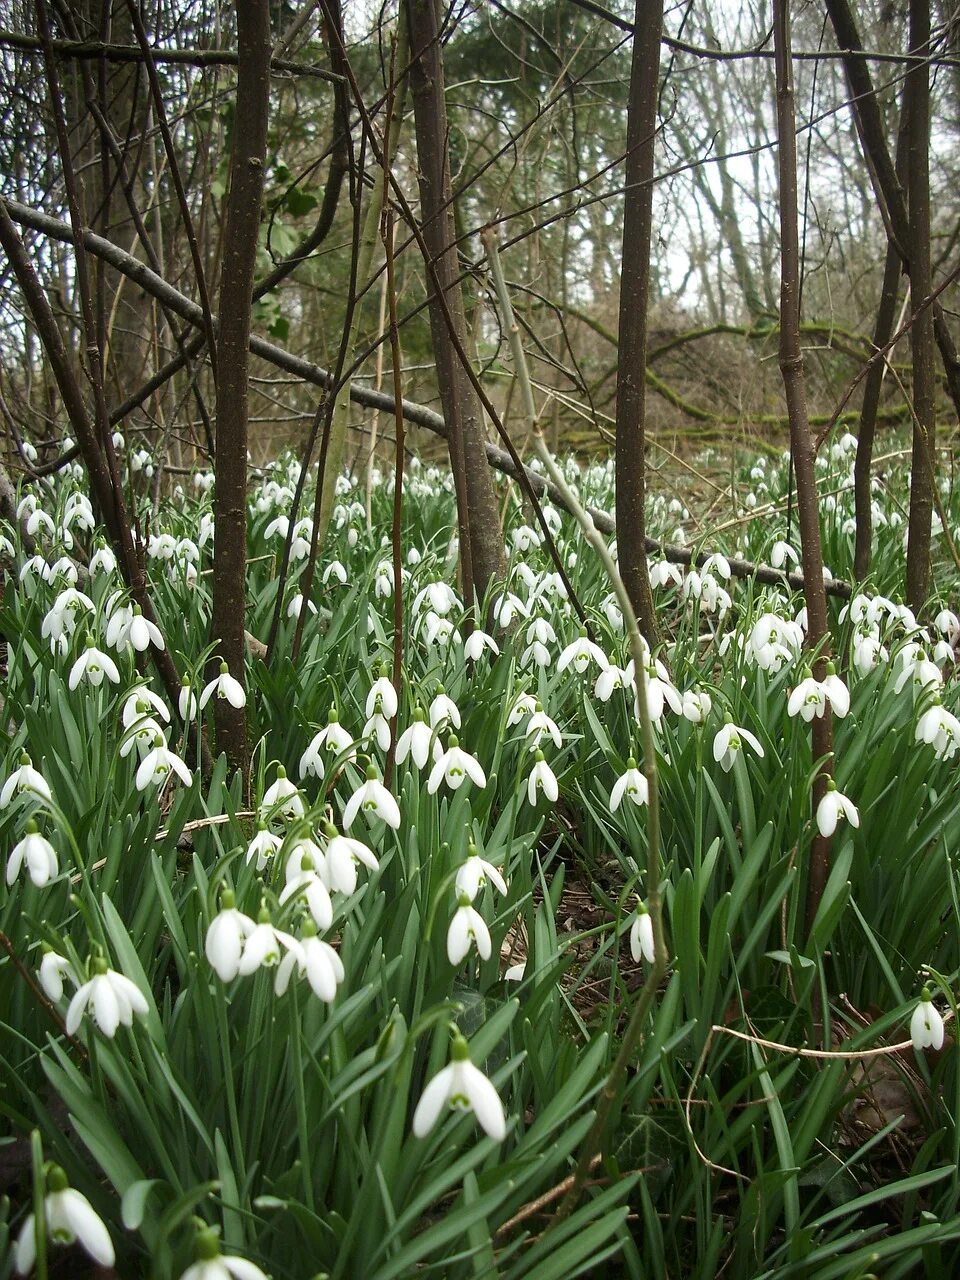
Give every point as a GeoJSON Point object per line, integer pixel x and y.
{"type": "Point", "coordinates": [883, 175]}
{"type": "Point", "coordinates": [917, 105]}
{"type": "Point", "coordinates": [481, 540]}
{"type": "Point", "coordinates": [794, 387]}
{"type": "Point", "coordinates": [634, 301]}
{"type": "Point", "coordinates": [236, 291]}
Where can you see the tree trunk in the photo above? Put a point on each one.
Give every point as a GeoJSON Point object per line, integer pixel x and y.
{"type": "Point", "coordinates": [916, 96]}
{"type": "Point", "coordinates": [634, 300]}
{"type": "Point", "coordinates": [240, 251]}
{"type": "Point", "coordinates": [481, 540]}
{"type": "Point", "coordinates": [794, 387]}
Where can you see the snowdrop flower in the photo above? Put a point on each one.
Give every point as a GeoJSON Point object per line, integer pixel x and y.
{"type": "Point", "coordinates": [475, 644]}
{"type": "Point", "coordinates": [39, 520]}
{"type": "Point", "coordinates": [454, 766]}
{"type": "Point", "coordinates": [832, 808]}
{"type": "Point", "coordinates": [284, 794]}
{"type": "Point", "coordinates": [334, 570]}
{"type": "Point", "coordinates": [506, 607]}
{"type": "Point", "coordinates": [224, 686]}
{"type": "Point", "coordinates": [580, 653]}
{"type": "Point", "coordinates": [926, 1025]}
{"type": "Point", "coordinates": [316, 961]}
{"type": "Point", "coordinates": [868, 653]}
{"type": "Point", "coordinates": [542, 777]}
{"type": "Point", "coordinates": [304, 875]}
{"type": "Point", "coordinates": [24, 778]}
{"type": "Point", "coordinates": [473, 874]}
{"type": "Point", "coordinates": [111, 998]}
{"type": "Point", "coordinates": [660, 690]}
{"type": "Point", "coordinates": [808, 699]}
{"type": "Point", "coordinates": [631, 783]}
{"type": "Point", "coordinates": [415, 741]}
{"type": "Point", "coordinates": [948, 624]}
{"type": "Point", "coordinates": [641, 936]}
{"type": "Point", "coordinates": [141, 633]}
{"type": "Point", "coordinates": [612, 678]}
{"type": "Point", "coordinates": [696, 705]}
{"type": "Point", "coordinates": [334, 740]}
{"type": "Point", "coordinates": [261, 947]}
{"type": "Point", "coordinates": [37, 853]}
{"type": "Point", "coordinates": [158, 764]}
{"type": "Point", "coordinates": [375, 801]}
{"type": "Point", "coordinates": [781, 553]}
{"type": "Point", "coordinates": [118, 617]}
{"type": "Point", "coordinates": [53, 969]}
{"type": "Point", "coordinates": [728, 744]}
{"type": "Point", "coordinates": [439, 631]}
{"type": "Point", "coordinates": [296, 605]}
{"type": "Point", "coordinates": [464, 1087]}
{"type": "Point", "coordinates": [139, 703]}
{"type": "Point", "coordinates": [467, 926]}
{"type": "Point", "coordinates": [525, 539]}
{"type": "Point", "coordinates": [443, 711]}
{"type": "Point", "coordinates": [187, 703]}
{"type": "Point", "coordinates": [917, 669]}
{"type": "Point", "coordinates": [378, 728]}
{"type": "Point", "coordinates": [719, 564]}
{"type": "Point", "coordinates": [143, 735]}
{"type": "Point", "coordinates": [211, 1264]}
{"type": "Point", "coordinates": [69, 1217]}
{"type": "Point", "coordinates": [382, 699]}
{"type": "Point", "coordinates": [524, 704]}
{"type": "Point", "coordinates": [663, 573]}
{"type": "Point", "coordinates": [838, 695]}
{"type": "Point", "coordinates": [613, 613]}
{"type": "Point", "coordinates": [93, 666]}
{"type": "Point", "coordinates": [538, 724]}
{"type": "Point", "coordinates": [940, 729]}
{"type": "Point", "coordinates": [263, 846]}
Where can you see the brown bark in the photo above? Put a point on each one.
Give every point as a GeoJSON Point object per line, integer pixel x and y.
{"type": "Point", "coordinates": [916, 96]}
{"type": "Point", "coordinates": [801, 440]}
{"type": "Point", "coordinates": [634, 300]}
{"type": "Point", "coordinates": [481, 540]}
{"type": "Point", "coordinates": [236, 293]}
{"type": "Point", "coordinates": [883, 175]}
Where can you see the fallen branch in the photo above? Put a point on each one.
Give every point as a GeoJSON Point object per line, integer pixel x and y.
{"type": "Point", "coordinates": [418, 414]}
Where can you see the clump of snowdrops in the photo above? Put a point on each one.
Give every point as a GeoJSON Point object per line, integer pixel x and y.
{"type": "Point", "coordinates": [367, 1024]}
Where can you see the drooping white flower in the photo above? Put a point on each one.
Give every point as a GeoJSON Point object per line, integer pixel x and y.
{"type": "Point", "coordinates": [833, 806]}
{"type": "Point", "coordinates": [263, 946]}
{"type": "Point", "coordinates": [781, 553]}
{"type": "Point", "coordinates": [580, 653]}
{"type": "Point", "coordinates": [926, 1025]}
{"type": "Point", "coordinates": [375, 801]}
{"type": "Point", "coordinates": [305, 873]}
{"type": "Point", "coordinates": [224, 686]}
{"type": "Point", "coordinates": [641, 936]}
{"type": "Point", "coordinates": [53, 969]}
{"type": "Point", "coordinates": [464, 1087]}
{"type": "Point", "coordinates": [332, 740]}
{"type": "Point", "coordinates": [696, 705]}
{"type": "Point", "coordinates": [542, 778]}
{"type": "Point", "coordinates": [940, 729]}
{"type": "Point", "coordinates": [111, 998]}
{"type": "Point", "coordinates": [158, 764]}
{"type": "Point", "coordinates": [632, 784]}
{"type": "Point", "coordinates": [444, 712]}
{"type": "Point", "coordinates": [141, 703]}
{"type": "Point", "coordinates": [382, 699]}
{"type": "Point", "coordinates": [37, 854]}
{"type": "Point", "coordinates": [475, 644]}
{"type": "Point", "coordinates": [283, 797]}
{"type": "Point", "coordinates": [69, 1218]}
{"type": "Point", "coordinates": [728, 744]}
{"type": "Point", "coordinates": [226, 935]}
{"type": "Point", "coordinates": [415, 741]}
{"type": "Point", "coordinates": [473, 873]}
{"type": "Point", "coordinates": [467, 926]}
{"type": "Point", "coordinates": [211, 1264]}
{"type": "Point", "coordinates": [808, 699]}
{"type": "Point", "coordinates": [93, 666]}
{"type": "Point", "coordinates": [538, 724]}
{"type": "Point", "coordinates": [264, 845]}
{"type": "Point", "coordinates": [316, 961]}
{"type": "Point", "coordinates": [187, 703]}
{"type": "Point", "coordinates": [612, 678]}
{"type": "Point", "coordinates": [663, 573]}
{"type": "Point", "coordinates": [341, 855]}
{"type": "Point", "coordinates": [454, 767]}
{"type": "Point", "coordinates": [523, 705]}
{"type": "Point", "coordinates": [142, 633]}
{"type": "Point", "coordinates": [24, 778]}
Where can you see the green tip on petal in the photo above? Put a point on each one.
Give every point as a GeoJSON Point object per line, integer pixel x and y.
{"type": "Point", "coordinates": [583, 633]}
{"type": "Point", "coordinates": [419, 715]}
{"type": "Point", "coordinates": [32, 828]}
{"type": "Point", "coordinates": [539, 707]}
{"type": "Point", "coordinates": [372, 774]}
{"type": "Point", "coordinates": [642, 908]}
{"type": "Point", "coordinates": [539, 757]}
{"type": "Point", "coordinates": [440, 690]}
{"type": "Point", "coordinates": [228, 899]}
{"type": "Point", "coordinates": [453, 742]}
{"type": "Point", "coordinates": [925, 995]}
{"type": "Point", "coordinates": [831, 785]}
{"type": "Point", "coordinates": [831, 668]}
{"type": "Point", "coordinates": [263, 915]}
{"type": "Point", "coordinates": [329, 830]}
{"type": "Point", "coordinates": [186, 682]}
{"type": "Point", "coordinates": [137, 611]}
{"type": "Point", "coordinates": [56, 1178]}
{"type": "Point", "coordinates": [90, 643]}
{"type": "Point", "coordinates": [99, 966]}
{"type": "Point", "coordinates": [463, 900]}
{"type": "Point", "coordinates": [631, 762]}
{"type": "Point", "coordinates": [309, 928]}
{"type": "Point", "coordinates": [472, 850]}
{"type": "Point", "coordinates": [224, 669]}
{"type": "Point", "coordinates": [281, 771]}
{"type": "Point", "coordinates": [334, 716]}
{"type": "Point", "coordinates": [459, 1049]}
{"type": "Point", "coordinates": [25, 759]}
